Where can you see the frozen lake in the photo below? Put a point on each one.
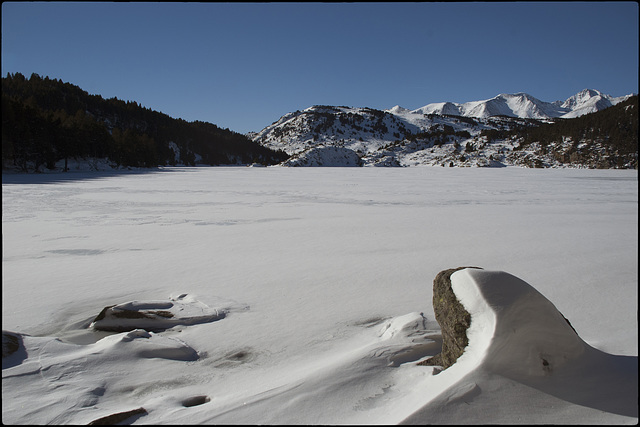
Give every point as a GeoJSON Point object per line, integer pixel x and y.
{"type": "Point", "coordinates": [304, 257]}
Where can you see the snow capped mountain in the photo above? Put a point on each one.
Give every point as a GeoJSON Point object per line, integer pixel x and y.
{"type": "Point", "coordinates": [436, 134]}
{"type": "Point", "coordinates": [321, 125]}
{"type": "Point", "coordinates": [525, 106]}
{"type": "Point", "coordinates": [512, 105]}
{"type": "Point", "coordinates": [590, 101]}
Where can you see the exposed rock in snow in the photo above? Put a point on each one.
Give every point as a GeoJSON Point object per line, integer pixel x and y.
{"type": "Point", "coordinates": [10, 343]}
{"type": "Point", "coordinates": [511, 314]}
{"type": "Point", "coordinates": [117, 418]}
{"type": "Point", "coordinates": [13, 350]}
{"type": "Point", "coordinates": [522, 348]}
{"type": "Point", "coordinates": [155, 315]}
{"type": "Point", "coordinates": [453, 319]}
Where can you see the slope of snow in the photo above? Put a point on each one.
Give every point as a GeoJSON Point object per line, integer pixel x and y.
{"type": "Point", "coordinates": [325, 278]}
{"type": "Point", "coordinates": [317, 126]}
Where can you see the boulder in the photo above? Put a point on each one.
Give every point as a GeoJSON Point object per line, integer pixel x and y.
{"type": "Point", "coordinates": [453, 318]}
{"type": "Point", "coordinates": [10, 343]}
{"type": "Point", "coordinates": [13, 349]}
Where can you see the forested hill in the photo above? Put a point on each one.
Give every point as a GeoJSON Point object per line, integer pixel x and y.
{"type": "Point", "coordinates": [603, 139]}
{"type": "Point", "coordinates": [45, 121]}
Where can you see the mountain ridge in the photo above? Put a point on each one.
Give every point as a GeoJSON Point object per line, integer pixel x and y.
{"type": "Point", "coordinates": [522, 105]}
{"type": "Point", "coordinates": [492, 133]}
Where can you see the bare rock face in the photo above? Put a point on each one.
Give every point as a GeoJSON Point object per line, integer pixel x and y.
{"type": "Point", "coordinates": [10, 343]}
{"type": "Point", "coordinates": [13, 349]}
{"type": "Point", "coordinates": [453, 318]}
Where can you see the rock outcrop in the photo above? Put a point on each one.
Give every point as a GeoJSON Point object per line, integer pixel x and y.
{"type": "Point", "coordinates": [13, 351]}
{"type": "Point", "coordinates": [10, 343]}
{"type": "Point", "coordinates": [454, 320]}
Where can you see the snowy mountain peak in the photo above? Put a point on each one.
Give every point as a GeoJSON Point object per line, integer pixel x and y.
{"type": "Point", "coordinates": [398, 110]}
{"type": "Point", "coordinates": [440, 134]}
{"type": "Point", "coordinates": [523, 105]}
{"type": "Point", "coordinates": [581, 98]}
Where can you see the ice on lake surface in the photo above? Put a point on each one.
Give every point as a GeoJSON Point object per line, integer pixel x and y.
{"type": "Point", "coordinates": [309, 266]}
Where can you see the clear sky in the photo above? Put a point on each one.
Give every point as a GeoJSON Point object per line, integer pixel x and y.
{"type": "Point", "coordinates": [244, 65]}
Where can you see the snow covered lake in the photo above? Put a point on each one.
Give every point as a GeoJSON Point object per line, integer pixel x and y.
{"type": "Point", "coordinates": [304, 289]}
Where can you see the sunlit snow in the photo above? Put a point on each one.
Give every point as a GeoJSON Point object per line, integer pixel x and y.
{"type": "Point", "coordinates": [303, 295]}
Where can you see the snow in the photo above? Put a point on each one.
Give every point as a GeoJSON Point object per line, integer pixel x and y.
{"type": "Point", "coordinates": [325, 157]}
{"type": "Point", "coordinates": [324, 277]}
{"type": "Point", "coordinates": [522, 105]}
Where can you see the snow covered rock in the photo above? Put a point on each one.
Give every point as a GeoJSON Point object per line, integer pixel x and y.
{"type": "Point", "coordinates": [141, 344]}
{"type": "Point", "coordinates": [155, 315]}
{"type": "Point", "coordinates": [325, 156]}
{"type": "Point", "coordinates": [522, 353]}
{"type": "Point", "coordinates": [520, 331]}
{"type": "Point", "coordinates": [517, 327]}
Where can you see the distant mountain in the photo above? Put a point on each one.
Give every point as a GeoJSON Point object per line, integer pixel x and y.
{"type": "Point", "coordinates": [482, 133]}
{"type": "Point", "coordinates": [523, 105]}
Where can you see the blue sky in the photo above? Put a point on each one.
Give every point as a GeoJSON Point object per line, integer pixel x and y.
{"type": "Point", "coordinates": [244, 65]}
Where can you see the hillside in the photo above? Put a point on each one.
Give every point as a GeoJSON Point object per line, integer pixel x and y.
{"type": "Point", "coordinates": [604, 138]}
{"type": "Point", "coordinates": [46, 123]}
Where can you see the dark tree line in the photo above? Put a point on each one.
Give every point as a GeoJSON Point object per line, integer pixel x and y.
{"type": "Point", "coordinates": [615, 127]}
{"type": "Point", "coordinates": [45, 120]}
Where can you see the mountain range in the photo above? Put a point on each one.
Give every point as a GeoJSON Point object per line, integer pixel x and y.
{"type": "Point", "coordinates": [491, 132]}
{"type": "Point", "coordinates": [522, 105]}
{"type": "Point", "coordinates": [48, 125]}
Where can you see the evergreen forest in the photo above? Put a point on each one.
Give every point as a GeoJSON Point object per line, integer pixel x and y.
{"type": "Point", "coordinates": [45, 121]}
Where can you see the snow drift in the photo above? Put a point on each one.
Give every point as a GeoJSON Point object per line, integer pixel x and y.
{"type": "Point", "coordinates": [522, 353]}
{"type": "Point", "coordinates": [521, 345]}
{"type": "Point", "coordinates": [322, 275]}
